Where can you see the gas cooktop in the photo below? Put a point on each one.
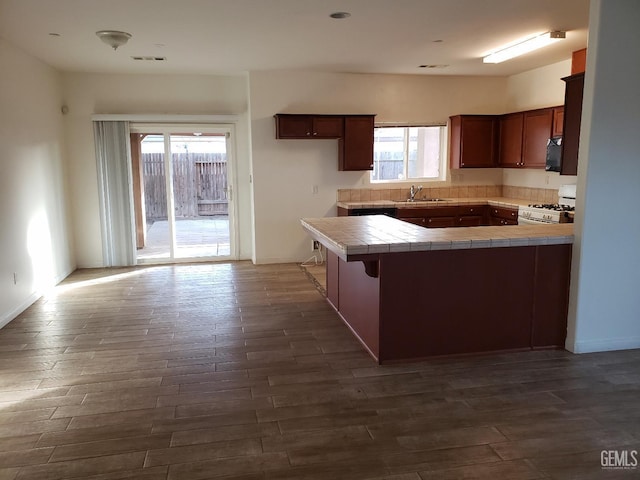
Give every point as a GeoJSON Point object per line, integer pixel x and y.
{"type": "Point", "coordinates": [553, 206]}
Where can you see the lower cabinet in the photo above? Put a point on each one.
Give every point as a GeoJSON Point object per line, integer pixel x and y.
{"type": "Point", "coordinates": [503, 216]}
{"type": "Point", "coordinates": [441, 217]}
{"type": "Point", "coordinates": [473, 216]}
{"type": "Point", "coordinates": [445, 216]}
{"type": "Point", "coordinates": [438, 217]}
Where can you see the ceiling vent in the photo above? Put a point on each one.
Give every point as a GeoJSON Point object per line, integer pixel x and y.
{"type": "Point", "coordinates": [151, 59]}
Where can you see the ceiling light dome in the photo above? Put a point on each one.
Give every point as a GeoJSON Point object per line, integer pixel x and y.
{"type": "Point", "coordinates": [113, 38]}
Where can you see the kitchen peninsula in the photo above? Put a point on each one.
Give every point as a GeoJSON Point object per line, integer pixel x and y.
{"type": "Point", "coordinates": [409, 292]}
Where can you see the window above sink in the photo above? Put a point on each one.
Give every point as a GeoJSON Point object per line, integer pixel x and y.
{"type": "Point", "coordinates": [404, 153]}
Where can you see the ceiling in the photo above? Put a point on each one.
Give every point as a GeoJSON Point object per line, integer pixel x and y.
{"type": "Point", "coordinates": [234, 36]}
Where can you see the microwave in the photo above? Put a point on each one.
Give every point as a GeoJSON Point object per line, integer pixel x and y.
{"type": "Point", "coordinates": [554, 154]}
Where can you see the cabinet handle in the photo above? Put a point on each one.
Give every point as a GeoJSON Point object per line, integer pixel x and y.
{"type": "Point", "coordinates": [315, 133]}
{"type": "Point", "coordinates": [471, 209]}
{"type": "Point", "coordinates": [371, 166]}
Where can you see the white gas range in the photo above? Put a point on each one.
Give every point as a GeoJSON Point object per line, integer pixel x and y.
{"type": "Point", "coordinates": [561, 212]}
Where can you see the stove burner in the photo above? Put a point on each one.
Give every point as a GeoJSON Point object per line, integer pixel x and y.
{"type": "Point", "coordinates": [553, 206]}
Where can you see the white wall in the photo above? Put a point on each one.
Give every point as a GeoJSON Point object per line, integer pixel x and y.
{"type": "Point", "coordinates": [538, 88]}
{"type": "Point", "coordinates": [285, 171]}
{"type": "Point", "coordinates": [605, 301]}
{"type": "Point", "coordinates": [88, 94]}
{"type": "Point", "coordinates": [35, 238]}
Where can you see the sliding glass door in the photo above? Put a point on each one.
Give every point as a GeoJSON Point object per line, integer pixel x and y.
{"type": "Point", "coordinates": [183, 195]}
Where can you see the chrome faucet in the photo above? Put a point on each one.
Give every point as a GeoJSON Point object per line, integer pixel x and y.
{"type": "Point", "coordinates": [413, 191]}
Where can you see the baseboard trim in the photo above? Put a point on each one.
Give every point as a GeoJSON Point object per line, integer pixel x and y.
{"type": "Point", "coordinates": [604, 345]}
{"type": "Point", "coordinates": [6, 318]}
{"type": "Point", "coordinates": [30, 300]}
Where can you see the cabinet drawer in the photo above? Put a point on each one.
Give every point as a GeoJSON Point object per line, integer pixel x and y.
{"type": "Point", "coordinates": [472, 210]}
{"type": "Point", "coordinates": [440, 222]}
{"type": "Point", "coordinates": [504, 213]}
{"type": "Point", "coordinates": [427, 212]}
{"type": "Point", "coordinates": [470, 221]}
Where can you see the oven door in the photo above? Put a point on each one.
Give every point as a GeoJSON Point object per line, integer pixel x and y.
{"type": "Point", "coordinates": [530, 221]}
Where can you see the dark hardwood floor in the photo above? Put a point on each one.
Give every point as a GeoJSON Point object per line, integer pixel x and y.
{"type": "Point", "coordinates": [235, 371]}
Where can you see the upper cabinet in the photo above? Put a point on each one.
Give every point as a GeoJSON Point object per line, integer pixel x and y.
{"type": "Point", "coordinates": [574, 90]}
{"type": "Point", "coordinates": [523, 137]}
{"type": "Point", "coordinates": [558, 121]}
{"type": "Point", "coordinates": [355, 148]}
{"type": "Point", "coordinates": [354, 134]}
{"type": "Point", "coordinates": [309, 126]}
{"type": "Point", "coordinates": [537, 128]}
{"type": "Point", "coordinates": [473, 141]}
{"type": "Point", "coordinates": [510, 153]}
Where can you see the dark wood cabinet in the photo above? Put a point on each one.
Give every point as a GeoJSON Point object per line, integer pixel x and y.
{"type": "Point", "coordinates": [473, 141]}
{"type": "Point", "coordinates": [355, 150]}
{"type": "Point", "coordinates": [444, 216]}
{"type": "Point", "coordinates": [473, 215]}
{"type": "Point", "coordinates": [354, 134]}
{"type": "Point", "coordinates": [511, 126]}
{"type": "Point", "coordinates": [309, 126]}
{"type": "Point", "coordinates": [535, 134]}
{"type": "Point", "coordinates": [503, 216]}
{"type": "Point", "coordinates": [574, 90]}
{"type": "Point", "coordinates": [558, 122]}
{"type": "Point", "coordinates": [437, 217]}
{"type": "Point", "coordinates": [523, 138]}
{"type": "Point", "coordinates": [440, 217]}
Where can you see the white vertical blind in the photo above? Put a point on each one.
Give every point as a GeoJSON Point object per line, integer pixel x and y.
{"type": "Point", "coordinates": [114, 184]}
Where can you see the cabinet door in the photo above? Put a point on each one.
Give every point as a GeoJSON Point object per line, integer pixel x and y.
{"type": "Point", "coordinates": [473, 141]}
{"type": "Point", "coordinates": [536, 133]}
{"type": "Point", "coordinates": [572, 116]}
{"type": "Point", "coordinates": [471, 221]}
{"type": "Point", "coordinates": [327, 127]}
{"type": "Point", "coordinates": [355, 150]}
{"type": "Point", "coordinates": [441, 222]}
{"type": "Point", "coordinates": [503, 216]}
{"type": "Point", "coordinates": [293, 126]}
{"type": "Point", "coordinates": [511, 140]}
{"type": "Point", "coordinates": [558, 121]}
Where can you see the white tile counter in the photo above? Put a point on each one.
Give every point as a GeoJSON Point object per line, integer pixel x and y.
{"type": "Point", "coordinates": [374, 234]}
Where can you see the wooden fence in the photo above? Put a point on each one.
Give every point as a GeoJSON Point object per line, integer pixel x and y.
{"type": "Point", "coordinates": [199, 185]}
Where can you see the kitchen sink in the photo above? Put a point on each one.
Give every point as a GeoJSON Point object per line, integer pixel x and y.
{"type": "Point", "coordinates": [423, 200]}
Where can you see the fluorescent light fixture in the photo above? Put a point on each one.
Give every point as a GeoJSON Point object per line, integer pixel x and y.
{"type": "Point", "coordinates": [521, 47]}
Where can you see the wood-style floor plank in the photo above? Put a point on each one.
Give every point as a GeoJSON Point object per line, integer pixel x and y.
{"type": "Point", "coordinates": [243, 372]}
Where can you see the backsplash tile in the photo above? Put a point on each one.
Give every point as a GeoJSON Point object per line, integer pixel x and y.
{"type": "Point", "coordinates": [531, 194]}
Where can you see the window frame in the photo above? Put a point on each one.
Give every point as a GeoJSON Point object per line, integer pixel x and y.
{"type": "Point", "coordinates": [444, 154]}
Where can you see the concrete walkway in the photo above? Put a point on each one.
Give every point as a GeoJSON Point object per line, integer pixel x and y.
{"type": "Point", "coordinates": [200, 237]}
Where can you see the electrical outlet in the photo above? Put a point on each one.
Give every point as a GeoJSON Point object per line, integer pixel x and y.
{"type": "Point", "coordinates": [315, 245]}
{"type": "Point", "coordinates": [315, 189]}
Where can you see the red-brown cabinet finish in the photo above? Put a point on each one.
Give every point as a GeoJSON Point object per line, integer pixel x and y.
{"type": "Point", "coordinates": [536, 133]}
{"type": "Point", "coordinates": [503, 216]}
{"type": "Point", "coordinates": [355, 150]}
{"type": "Point", "coordinates": [558, 121]}
{"type": "Point", "coordinates": [354, 134]}
{"type": "Point", "coordinates": [473, 141]}
{"type": "Point", "coordinates": [511, 126]}
{"type": "Point", "coordinates": [574, 90]}
{"type": "Point", "coordinates": [309, 126]}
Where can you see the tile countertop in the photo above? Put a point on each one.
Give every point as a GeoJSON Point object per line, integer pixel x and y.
{"type": "Point", "coordinates": [375, 234]}
{"type": "Point", "coordinates": [495, 201]}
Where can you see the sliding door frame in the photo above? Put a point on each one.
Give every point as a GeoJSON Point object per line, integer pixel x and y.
{"type": "Point", "coordinates": [168, 129]}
